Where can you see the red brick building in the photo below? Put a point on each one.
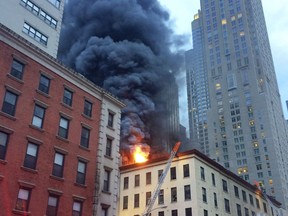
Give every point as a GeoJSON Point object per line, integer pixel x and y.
{"type": "Point", "coordinates": [59, 136]}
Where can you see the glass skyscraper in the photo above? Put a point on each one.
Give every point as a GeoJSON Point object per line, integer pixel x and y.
{"type": "Point", "coordinates": [242, 118]}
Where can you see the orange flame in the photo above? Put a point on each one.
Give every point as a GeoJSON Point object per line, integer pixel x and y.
{"type": "Point", "coordinates": [140, 154]}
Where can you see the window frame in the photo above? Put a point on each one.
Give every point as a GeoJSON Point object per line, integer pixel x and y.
{"type": "Point", "coordinates": [58, 169]}
{"type": "Point", "coordinates": [52, 210]}
{"type": "Point", "coordinates": [106, 180]}
{"type": "Point", "coordinates": [88, 106]}
{"type": "Point", "coordinates": [42, 87]}
{"type": "Point", "coordinates": [75, 212]}
{"type": "Point", "coordinates": [85, 137]}
{"type": "Point", "coordinates": [15, 72]}
{"type": "Point", "coordinates": [29, 157]}
{"type": "Point", "coordinates": [173, 174]}
{"type": "Point", "coordinates": [81, 174]}
{"type": "Point", "coordinates": [11, 109]}
{"type": "Point", "coordinates": [63, 131]}
{"type": "Point", "coordinates": [4, 145]}
{"type": "Point", "coordinates": [67, 97]}
{"type": "Point", "coordinates": [186, 171]}
{"type": "Point", "coordinates": [25, 205]}
{"type": "Point", "coordinates": [109, 144]}
{"type": "Point", "coordinates": [37, 116]}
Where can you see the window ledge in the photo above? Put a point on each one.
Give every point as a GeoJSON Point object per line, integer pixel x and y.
{"type": "Point", "coordinates": [37, 128]}
{"type": "Point", "coordinates": [8, 116]}
{"type": "Point", "coordinates": [29, 170]}
{"type": "Point", "coordinates": [111, 128]}
{"type": "Point", "coordinates": [15, 78]}
{"type": "Point", "coordinates": [3, 161]}
{"type": "Point", "coordinates": [80, 185]}
{"type": "Point", "coordinates": [84, 148]}
{"type": "Point", "coordinates": [19, 212]}
{"type": "Point", "coordinates": [106, 192]}
{"type": "Point", "coordinates": [108, 157]}
{"type": "Point", "coordinates": [66, 105]}
{"type": "Point", "coordinates": [43, 93]}
{"type": "Point", "coordinates": [57, 178]}
{"type": "Point", "coordinates": [61, 138]}
{"type": "Point", "coordinates": [87, 117]}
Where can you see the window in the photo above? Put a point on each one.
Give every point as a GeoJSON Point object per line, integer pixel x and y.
{"type": "Point", "coordinates": [257, 203]}
{"type": "Point", "coordinates": [125, 202]}
{"type": "Point", "coordinates": [9, 103]}
{"type": "Point", "coordinates": [186, 172]}
{"type": "Point", "coordinates": [35, 34]}
{"type": "Point", "coordinates": [148, 178]}
{"type": "Point", "coordinates": [85, 134]}
{"type": "Point", "coordinates": [67, 97]}
{"type": "Point", "coordinates": [159, 174]}
{"type": "Point", "coordinates": [244, 196]}
{"type": "Point", "coordinates": [126, 183]}
{"type": "Point", "coordinates": [231, 81]}
{"type": "Point", "coordinates": [17, 69]}
{"type": "Point", "coordinates": [137, 180]}
{"type": "Point", "coordinates": [265, 207]}
{"type": "Point", "coordinates": [58, 165]}
{"type": "Point", "coordinates": [108, 151]}
{"type": "Point", "coordinates": [204, 195]}
{"type": "Point", "coordinates": [3, 144]}
{"type": "Point", "coordinates": [224, 184]}
{"type": "Point", "coordinates": [63, 127]}
{"type": "Point", "coordinates": [251, 199]}
{"type": "Point", "coordinates": [174, 194]}
{"type": "Point", "coordinates": [22, 202]}
{"type": "Point", "coordinates": [87, 108]}
{"type": "Point", "coordinates": [52, 206]}
{"type": "Point", "coordinates": [202, 172]}
{"type": "Point", "coordinates": [239, 213]}
{"type": "Point", "coordinates": [173, 173]}
{"type": "Point", "coordinates": [213, 179]}
{"type": "Point", "coordinates": [110, 119]}
{"type": "Point", "coordinates": [136, 200]}
{"type": "Point", "coordinates": [148, 197]}
{"type": "Point", "coordinates": [38, 116]}
{"type": "Point", "coordinates": [188, 211]}
{"type": "Point", "coordinates": [236, 190]}
{"type": "Point", "coordinates": [187, 192]}
{"type": "Point", "coordinates": [81, 172]}
{"type": "Point", "coordinates": [226, 205]}
{"type": "Point", "coordinates": [161, 197]}
{"type": "Point", "coordinates": [215, 200]}
{"type": "Point", "coordinates": [106, 184]}
{"type": "Point", "coordinates": [161, 213]}
{"type": "Point", "coordinates": [77, 208]}
{"type": "Point", "coordinates": [174, 212]}
{"type": "Point", "coordinates": [31, 156]}
{"type": "Point", "coordinates": [205, 212]}
{"type": "Point", "coordinates": [56, 3]}
{"type": "Point", "coordinates": [44, 84]}
{"type": "Point", "coordinates": [246, 211]}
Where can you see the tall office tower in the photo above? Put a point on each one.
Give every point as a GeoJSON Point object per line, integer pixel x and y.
{"type": "Point", "coordinates": [39, 21]}
{"type": "Point", "coordinates": [246, 127]}
{"type": "Point", "coordinates": [197, 89]}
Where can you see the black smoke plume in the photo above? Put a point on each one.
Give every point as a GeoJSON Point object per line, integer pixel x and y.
{"type": "Point", "coordinates": [124, 47]}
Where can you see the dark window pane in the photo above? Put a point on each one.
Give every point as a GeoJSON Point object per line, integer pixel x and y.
{"type": "Point", "coordinates": [3, 145]}
{"type": "Point", "coordinates": [87, 108]}
{"type": "Point", "coordinates": [17, 69]}
{"type": "Point", "coordinates": [67, 97]}
{"type": "Point", "coordinates": [85, 134]}
{"type": "Point", "coordinates": [44, 84]}
{"type": "Point", "coordinates": [9, 103]}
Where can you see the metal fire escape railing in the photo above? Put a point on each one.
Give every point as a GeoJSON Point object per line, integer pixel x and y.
{"type": "Point", "coordinates": [161, 180]}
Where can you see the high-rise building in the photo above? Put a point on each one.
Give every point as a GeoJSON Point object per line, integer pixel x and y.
{"type": "Point", "coordinates": [39, 21]}
{"type": "Point", "coordinates": [245, 122]}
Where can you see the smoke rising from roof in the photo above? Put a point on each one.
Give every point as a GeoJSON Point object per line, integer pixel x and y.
{"type": "Point", "coordinates": [124, 47]}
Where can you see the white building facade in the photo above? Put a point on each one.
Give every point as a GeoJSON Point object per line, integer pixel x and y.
{"type": "Point", "coordinates": [39, 21]}
{"type": "Point", "coordinates": [195, 185]}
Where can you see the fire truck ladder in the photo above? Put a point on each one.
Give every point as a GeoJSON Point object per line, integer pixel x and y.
{"type": "Point", "coordinates": [161, 180]}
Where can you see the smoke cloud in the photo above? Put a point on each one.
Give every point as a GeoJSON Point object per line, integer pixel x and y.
{"type": "Point", "coordinates": [124, 47]}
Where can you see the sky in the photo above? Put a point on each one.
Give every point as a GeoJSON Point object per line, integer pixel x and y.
{"type": "Point", "coordinates": [182, 12]}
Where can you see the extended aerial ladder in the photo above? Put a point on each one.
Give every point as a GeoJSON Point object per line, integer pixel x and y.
{"type": "Point", "coordinates": [161, 180]}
